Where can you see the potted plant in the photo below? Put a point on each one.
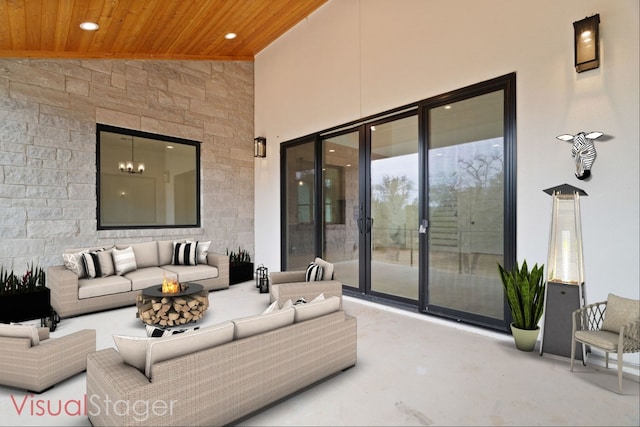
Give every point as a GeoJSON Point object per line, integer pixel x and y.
{"type": "Point", "coordinates": [240, 266]}
{"type": "Point", "coordinates": [524, 290]}
{"type": "Point", "coordinates": [24, 298]}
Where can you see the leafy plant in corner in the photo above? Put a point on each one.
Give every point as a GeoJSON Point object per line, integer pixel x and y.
{"type": "Point", "coordinates": [33, 280]}
{"type": "Point", "coordinates": [524, 290]}
{"type": "Point", "coordinates": [241, 257]}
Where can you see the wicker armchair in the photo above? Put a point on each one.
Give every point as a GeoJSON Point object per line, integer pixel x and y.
{"type": "Point", "coordinates": [292, 285]}
{"type": "Point", "coordinates": [38, 367]}
{"type": "Point", "coordinates": [612, 326]}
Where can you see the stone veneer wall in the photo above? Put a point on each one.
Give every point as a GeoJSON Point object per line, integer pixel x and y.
{"type": "Point", "coordinates": [48, 115]}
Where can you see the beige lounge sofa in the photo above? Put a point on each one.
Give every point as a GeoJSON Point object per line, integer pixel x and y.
{"type": "Point", "coordinates": [30, 360]}
{"type": "Point", "coordinates": [249, 366]}
{"type": "Point", "coordinates": [72, 294]}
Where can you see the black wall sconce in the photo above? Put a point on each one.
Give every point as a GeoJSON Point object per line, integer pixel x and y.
{"type": "Point", "coordinates": [260, 147]}
{"type": "Point", "coordinates": [587, 43]}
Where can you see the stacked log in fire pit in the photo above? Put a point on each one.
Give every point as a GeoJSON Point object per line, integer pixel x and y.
{"type": "Point", "coordinates": [164, 309]}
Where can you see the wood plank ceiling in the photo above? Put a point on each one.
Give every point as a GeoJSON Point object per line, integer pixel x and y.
{"type": "Point", "coordinates": [146, 29]}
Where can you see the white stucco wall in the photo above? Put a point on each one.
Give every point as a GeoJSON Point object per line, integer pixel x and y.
{"type": "Point", "coordinates": [354, 58]}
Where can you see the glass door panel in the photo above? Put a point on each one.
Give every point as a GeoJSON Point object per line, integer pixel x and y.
{"type": "Point", "coordinates": [393, 224]}
{"type": "Point", "coordinates": [300, 221]}
{"type": "Point", "coordinates": [340, 196]}
{"type": "Point", "coordinates": [466, 205]}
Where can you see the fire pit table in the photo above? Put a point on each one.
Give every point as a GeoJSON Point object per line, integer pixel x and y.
{"type": "Point", "coordinates": [175, 308]}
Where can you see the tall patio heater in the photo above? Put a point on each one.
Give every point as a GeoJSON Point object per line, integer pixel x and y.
{"type": "Point", "coordinates": [564, 291]}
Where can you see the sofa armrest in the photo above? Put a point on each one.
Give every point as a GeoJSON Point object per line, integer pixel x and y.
{"type": "Point", "coordinates": [287, 276]}
{"type": "Point", "coordinates": [64, 288]}
{"type": "Point", "coordinates": [75, 345]}
{"type": "Point", "coordinates": [107, 371]}
{"type": "Point", "coordinates": [220, 261]}
{"type": "Point", "coordinates": [43, 333]}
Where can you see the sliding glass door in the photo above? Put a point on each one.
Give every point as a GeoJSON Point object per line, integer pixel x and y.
{"type": "Point", "coordinates": [415, 206]}
{"type": "Point", "coordinates": [395, 188]}
{"type": "Point", "coordinates": [466, 195]}
{"type": "Point", "coordinates": [299, 205]}
{"type": "Point", "coordinates": [341, 206]}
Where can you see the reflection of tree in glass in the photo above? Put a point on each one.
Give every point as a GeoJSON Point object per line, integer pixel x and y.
{"type": "Point", "coordinates": [442, 190]}
{"type": "Point", "coordinates": [392, 204]}
{"type": "Point", "coordinates": [484, 170]}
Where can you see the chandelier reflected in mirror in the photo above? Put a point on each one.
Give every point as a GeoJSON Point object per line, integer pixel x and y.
{"type": "Point", "coordinates": [127, 166]}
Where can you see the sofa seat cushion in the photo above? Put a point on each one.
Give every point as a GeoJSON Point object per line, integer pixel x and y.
{"type": "Point", "coordinates": [88, 288]}
{"type": "Point", "coordinates": [149, 276]}
{"type": "Point", "coordinates": [191, 273]}
{"type": "Point", "coordinates": [260, 323]}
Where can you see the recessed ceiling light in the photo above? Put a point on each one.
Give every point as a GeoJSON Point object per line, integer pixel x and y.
{"type": "Point", "coordinates": [230, 36]}
{"type": "Point", "coordinates": [169, 147]}
{"type": "Point", "coordinates": [447, 107]}
{"type": "Point", "coordinates": [89, 26]}
{"type": "Point", "coordinates": [331, 150]}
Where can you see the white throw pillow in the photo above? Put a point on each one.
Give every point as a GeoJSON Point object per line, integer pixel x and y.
{"type": "Point", "coordinates": [287, 304]}
{"type": "Point", "coordinates": [202, 249]}
{"type": "Point", "coordinates": [16, 330]}
{"type": "Point", "coordinates": [133, 350]}
{"type": "Point", "coordinates": [124, 260]}
{"type": "Point", "coordinates": [327, 267]}
{"type": "Point", "coordinates": [74, 262]}
{"type": "Point", "coordinates": [272, 307]}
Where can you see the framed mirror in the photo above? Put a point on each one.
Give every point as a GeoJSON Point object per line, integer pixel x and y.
{"type": "Point", "coordinates": [146, 180]}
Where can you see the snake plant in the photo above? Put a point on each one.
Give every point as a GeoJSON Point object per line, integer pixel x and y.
{"type": "Point", "coordinates": [32, 280]}
{"type": "Point", "coordinates": [524, 290]}
{"type": "Point", "coordinates": [241, 257]}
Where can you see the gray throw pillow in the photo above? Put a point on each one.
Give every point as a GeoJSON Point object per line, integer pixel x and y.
{"type": "Point", "coordinates": [619, 312]}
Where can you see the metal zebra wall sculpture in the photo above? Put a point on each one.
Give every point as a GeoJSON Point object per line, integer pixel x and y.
{"type": "Point", "coordinates": [583, 151]}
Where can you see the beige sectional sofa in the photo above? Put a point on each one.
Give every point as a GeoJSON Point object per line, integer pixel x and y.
{"type": "Point", "coordinates": [219, 374]}
{"type": "Point", "coordinates": [144, 264]}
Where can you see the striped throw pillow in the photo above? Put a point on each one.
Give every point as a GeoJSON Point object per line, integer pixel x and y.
{"type": "Point", "coordinates": [185, 253]}
{"type": "Point", "coordinates": [154, 332]}
{"type": "Point", "coordinates": [314, 272]}
{"type": "Point", "coordinates": [91, 263]}
{"type": "Point", "coordinates": [124, 260]}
